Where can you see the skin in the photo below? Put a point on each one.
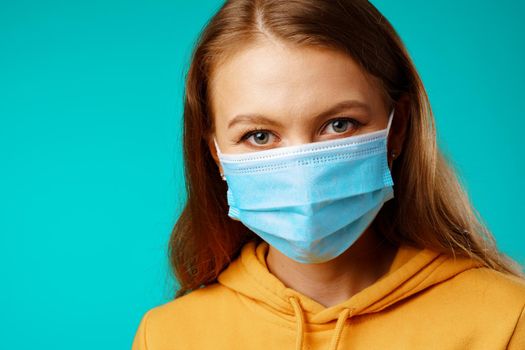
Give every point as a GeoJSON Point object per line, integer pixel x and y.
{"type": "Point", "coordinates": [290, 85]}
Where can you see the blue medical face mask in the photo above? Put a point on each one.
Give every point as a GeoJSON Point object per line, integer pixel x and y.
{"type": "Point", "coordinates": [311, 201]}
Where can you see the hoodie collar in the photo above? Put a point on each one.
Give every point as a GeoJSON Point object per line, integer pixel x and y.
{"type": "Point", "coordinates": [412, 270]}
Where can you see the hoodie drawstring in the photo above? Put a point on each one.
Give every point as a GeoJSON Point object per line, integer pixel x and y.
{"type": "Point", "coordinates": [300, 322]}
{"type": "Point", "coordinates": [334, 343]}
{"type": "Point", "coordinates": [339, 329]}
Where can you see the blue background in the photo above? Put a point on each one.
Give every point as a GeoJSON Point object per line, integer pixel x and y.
{"type": "Point", "coordinates": [90, 148]}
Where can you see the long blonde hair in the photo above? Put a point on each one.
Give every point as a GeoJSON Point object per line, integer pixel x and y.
{"type": "Point", "coordinates": [430, 208]}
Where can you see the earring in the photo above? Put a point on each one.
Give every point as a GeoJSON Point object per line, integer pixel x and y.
{"type": "Point", "coordinates": [393, 154]}
{"type": "Point", "coordinates": [223, 177]}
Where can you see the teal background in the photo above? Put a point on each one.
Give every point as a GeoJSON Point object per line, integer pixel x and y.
{"type": "Point", "coordinates": [90, 148]}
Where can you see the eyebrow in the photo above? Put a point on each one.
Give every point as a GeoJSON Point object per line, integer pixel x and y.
{"type": "Point", "coordinates": [261, 119]}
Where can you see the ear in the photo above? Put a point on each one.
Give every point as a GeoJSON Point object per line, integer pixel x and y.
{"type": "Point", "coordinates": [213, 150]}
{"type": "Point", "coordinates": [398, 128]}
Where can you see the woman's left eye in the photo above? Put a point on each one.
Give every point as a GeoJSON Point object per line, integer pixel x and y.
{"type": "Point", "coordinates": [341, 125]}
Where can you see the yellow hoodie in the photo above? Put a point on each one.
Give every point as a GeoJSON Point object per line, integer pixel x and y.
{"type": "Point", "coordinates": [426, 301]}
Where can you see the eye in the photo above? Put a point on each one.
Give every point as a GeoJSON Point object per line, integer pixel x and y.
{"type": "Point", "coordinates": [260, 136]}
{"type": "Point", "coordinates": [341, 125]}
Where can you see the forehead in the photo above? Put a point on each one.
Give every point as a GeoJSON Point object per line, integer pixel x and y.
{"type": "Point", "coordinates": [277, 79]}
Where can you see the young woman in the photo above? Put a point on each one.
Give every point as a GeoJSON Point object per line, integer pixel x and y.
{"type": "Point", "coordinates": [320, 212]}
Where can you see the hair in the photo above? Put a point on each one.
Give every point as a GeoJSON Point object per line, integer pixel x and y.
{"type": "Point", "coordinates": [430, 208]}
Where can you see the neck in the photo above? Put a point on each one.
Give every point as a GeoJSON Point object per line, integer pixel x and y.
{"type": "Point", "coordinates": [336, 280]}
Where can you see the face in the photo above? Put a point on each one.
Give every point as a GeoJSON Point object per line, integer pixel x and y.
{"type": "Point", "coordinates": [273, 95]}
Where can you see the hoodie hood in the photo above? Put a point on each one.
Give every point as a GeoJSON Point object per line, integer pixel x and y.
{"type": "Point", "coordinates": [412, 270]}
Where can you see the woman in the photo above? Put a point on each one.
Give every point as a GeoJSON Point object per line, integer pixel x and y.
{"type": "Point", "coordinates": [320, 212]}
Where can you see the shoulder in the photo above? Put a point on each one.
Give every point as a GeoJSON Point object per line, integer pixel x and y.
{"type": "Point", "coordinates": [480, 303]}
{"type": "Point", "coordinates": [490, 297]}
{"type": "Point", "coordinates": [488, 283]}
{"type": "Point", "coordinates": [179, 320]}
{"type": "Point", "coordinates": [503, 296]}
{"type": "Point", "coordinates": [486, 291]}
{"type": "Point", "coordinates": [194, 306]}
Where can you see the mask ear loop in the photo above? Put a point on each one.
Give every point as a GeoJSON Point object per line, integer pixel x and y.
{"type": "Point", "coordinates": [390, 118]}
{"type": "Point", "coordinates": [217, 146]}
{"type": "Point", "coordinates": [219, 153]}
